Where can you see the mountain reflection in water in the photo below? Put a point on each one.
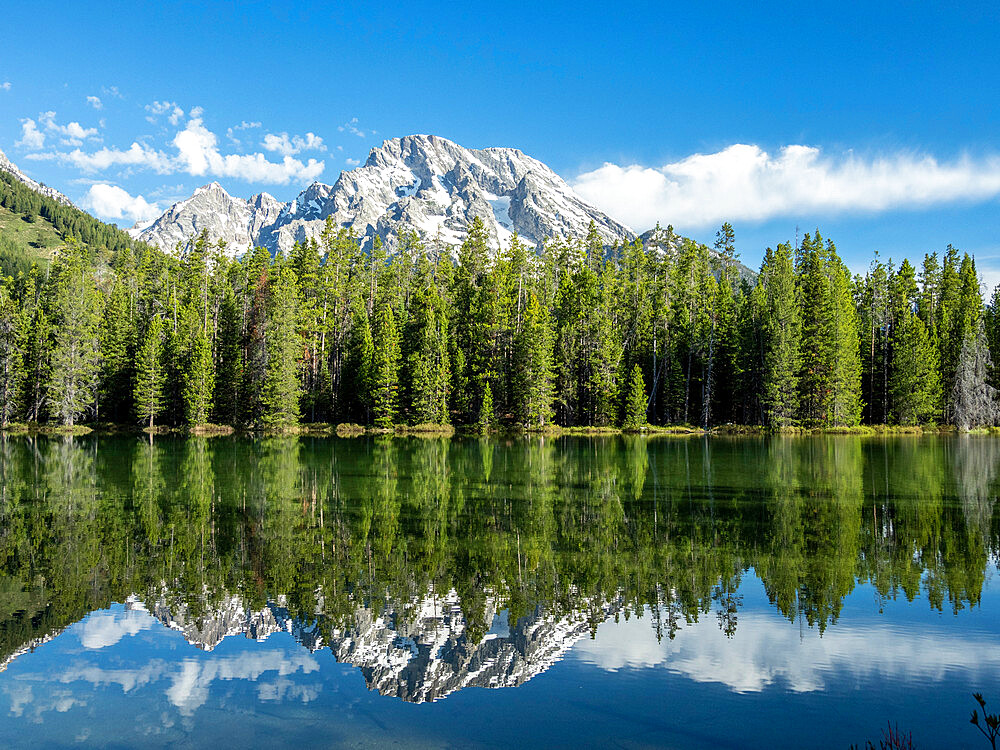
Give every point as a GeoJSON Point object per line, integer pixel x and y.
{"type": "Point", "coordinates": [435, 565]}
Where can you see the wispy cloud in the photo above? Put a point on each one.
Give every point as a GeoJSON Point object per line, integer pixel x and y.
{"type": "Point", "coordinates": [173, 112]}
{"type": "Point", "coordinates": [287, 145]}
{"type": "Point", "coordinates": [112, 202]}
{"type": "Point", "coordinates": [5, 86]}
{"type": "Point", "coordinates": [70, 134]}
{"type": "Point", "coordinates": [95, 102]}
{"type": "Point", "coordinates": [352, 127]}
{"type": "Point", "coordinates": [112, 91]}
{"type": "Point", "coordinates": [744, 182]}
{"type": "Point", "coordinates": [352, 162]}
{"type": "Point", "coordinates": [138, 155]}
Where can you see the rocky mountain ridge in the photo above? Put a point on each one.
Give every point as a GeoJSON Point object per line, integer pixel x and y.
{"type": "Point", "coordinates": [421, 651]}
{"type": "Point", "coordinates": [422, 183]}
{"type": "Point", "coordinates": [6, 165]}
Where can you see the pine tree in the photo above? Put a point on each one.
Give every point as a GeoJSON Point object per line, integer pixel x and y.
{"type": "Point", "coordinates": [426, 359]}
{"type": "Point", "coordinates": [534, 387]}
{"type": "Point", "coordinates": [11, 364]}
{"type": "Point", "coordinates": [229, 361]}
{"type": "Point", "coordinates": [914, 383]}
{"type": "Point", "coordinates": [358, 368]}
{"type": "Point", "coordinates": [782, 336]}
{"type": "Point", "coordinates": [385, 367]}
{"type": "Point", "coordinates": [282, 387]}
{"type": "Point", "coordinates": [199, 380]}
{"type": "Point", "coordinates": [635, 408]}
{"type": "Point", "coordinates": [486, 416]}
{"type": "Point", "coordinates": [150, 374]}
{"type": "Point", "coordinates": [973, 401]}
{"type": "Point", "coordinates": [74, 362]}
{"type": "Point", "coordinates": [116, 342]}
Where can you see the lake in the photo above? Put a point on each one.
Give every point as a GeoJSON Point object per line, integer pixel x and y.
{"type": "Point", "coordinates": [567, 592]}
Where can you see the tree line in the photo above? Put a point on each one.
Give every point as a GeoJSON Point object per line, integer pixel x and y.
{"type": "Point", "coordinates": [574, 334]}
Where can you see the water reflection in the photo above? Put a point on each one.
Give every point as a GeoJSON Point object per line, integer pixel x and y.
{"type": "Point", "coordinates": [436, 565]}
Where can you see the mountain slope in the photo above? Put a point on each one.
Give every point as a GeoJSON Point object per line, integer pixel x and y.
{"type": "Point", "coordinates": [424, 183]}
{"type": "Point", "coordinates": [6, 165]}
{"type": "Point", "coordinates": [236, 221]}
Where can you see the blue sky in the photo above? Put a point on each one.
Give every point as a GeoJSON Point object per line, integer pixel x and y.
{"type": "Point", "coordinates": [875, 122]}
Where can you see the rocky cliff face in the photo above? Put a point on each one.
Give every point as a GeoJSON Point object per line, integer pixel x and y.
{"type": "Point", "coordinates": [6, 165]}
{"type": "Point", "coordinates": [418, 652]}
{"type": "Point", "coordinates": [422, 183]}
{"type": "Point", "coordinates": [236, 221]}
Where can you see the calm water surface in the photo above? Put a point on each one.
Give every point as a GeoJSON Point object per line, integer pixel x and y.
{"type": "Point", "coordinates": [796, 592]}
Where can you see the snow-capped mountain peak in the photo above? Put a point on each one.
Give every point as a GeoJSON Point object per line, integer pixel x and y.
{"type": "Point", "coordinates": [419, 182]}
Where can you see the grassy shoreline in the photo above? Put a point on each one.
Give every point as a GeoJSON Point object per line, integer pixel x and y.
{"type": "Point", "coordinates": [345, 430]}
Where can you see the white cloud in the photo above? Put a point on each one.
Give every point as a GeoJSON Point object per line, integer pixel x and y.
{"type": "Point", "coordinates": [95, 102]}
{"type": "Point", "coordinates": [352, 127]}
{"type": "Point", "coordinates": [5, 86]}
{"type": "Point", "coordinates": [112, 202]}
{"type": "Point", "coordinates": [198, 154]}
{"type": "Point", "coordinates": [744, 182]}
{"type": "Point", "coordinates": [286, 146]}
{"type": "Point", "coordinates": [31, 136]}
{"type": "Point", "coordinates": [72, 134]}
{"type": "Point", "coordinates": [244, 125]}
{"type": "Point", "coordinates": [352, 162]}
{"type": "Point", "coordinates": [111, 91]}
{"type": "Point", "coordinates": [170, 109]}
{"type": "Point", "coordinates": [137, 155]}
{"type": "Point", "coordinates": [768, 650]}
{"type": "Point", "coordinates": [106, 627]}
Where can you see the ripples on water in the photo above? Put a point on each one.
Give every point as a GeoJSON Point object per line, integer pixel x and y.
{"type": "Point", "coordinates": [668, 592]}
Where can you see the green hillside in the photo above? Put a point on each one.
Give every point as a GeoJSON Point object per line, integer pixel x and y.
{"type": "Point", "coordinates": [34, 227]}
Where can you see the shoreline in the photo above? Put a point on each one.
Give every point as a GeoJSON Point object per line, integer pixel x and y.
{"type": "Point", "coordinates": [348, 430]}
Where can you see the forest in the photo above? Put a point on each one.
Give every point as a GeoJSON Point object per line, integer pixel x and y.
{"type": "Point", "coordinates": [571, 334]}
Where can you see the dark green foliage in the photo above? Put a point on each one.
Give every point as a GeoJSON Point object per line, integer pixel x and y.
{"type": "Point", "coordinates": [150, 374]}
{"type": "Point", "coordinates": [635, 406]}
{"type": "Point", "coordinates": [385, 367]}
{"type": "Point", "coordinates": [497, 337]}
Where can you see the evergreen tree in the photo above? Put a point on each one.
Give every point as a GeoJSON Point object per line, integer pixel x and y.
{"type": "Point", "coordinates": [973, 401]}
{"type": "Point", "coordinates": [199, 380]}
{"type": "Point", "coordinates": [116, 342]}
{"type": "Point", "coordinates": [282, 388]}
{"type": "Point", "coordinates": [534, 387]}
{"type": "Point", "coordinates": [11, 364]}
{"type": "Point", "coordinates": [385, 367]}
{"type": "Point", "coordinates": [426, 359]}
{"type": "Point", "coordinates": [358, 370]}
{"type": "Point", "coordinates": [486, 416]}
{"type": "Point", "coordinates": [635, 408]}
{"type": "Point", "coordinates": [228, 361]}
{"type": "Point", "coordinates": [150, 374]}
{"type": "Point", "coordinates": [782, 336]}
{"type": "Point", "coordinates": [74, 362]}
{"type": "Point", "coordinates": [914, 385]}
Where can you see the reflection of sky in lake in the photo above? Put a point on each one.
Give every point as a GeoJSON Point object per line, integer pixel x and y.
{"type": "Point", "coordinates": [120, 677]}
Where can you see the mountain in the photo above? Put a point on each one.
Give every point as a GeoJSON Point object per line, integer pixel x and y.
{"type": "Point", "coordinates": [418, 652]}
{"type": "Point", "coordinates": [237, 221]}
{"type": "Point", "coordinates": [6, 165]}
{"type": "Point", "coordinates": [419, 182]}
